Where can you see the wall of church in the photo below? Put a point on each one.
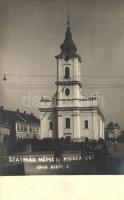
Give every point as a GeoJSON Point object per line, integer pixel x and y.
{"type": "Point", "coordinates": [62, 130]}
{"type": "Point", "coordinates": [74, 130]}
{"type": "Point", "coordinates": [89, 130]}
{"type": "Point", "coordinates": [69, 100]}
{"type": "Point", "coordinates": [95, 129]}
{"type": "Point", "coordinates": [48, 125]}
{"type": "Point", "coordinates": [78, 129]}
{"type": "Point", "coordinates": [76, 69]}
{"type": "Point", "coordinates": [74, 92]}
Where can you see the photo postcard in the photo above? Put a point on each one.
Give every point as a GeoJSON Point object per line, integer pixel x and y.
{"type": "Point", "coordinates": [61, 87]}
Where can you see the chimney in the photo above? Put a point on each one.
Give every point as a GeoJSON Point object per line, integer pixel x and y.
{"type": "Point", "coordinates": [17, 111]}
{"type": "Point", "coordinates": [24, 112]}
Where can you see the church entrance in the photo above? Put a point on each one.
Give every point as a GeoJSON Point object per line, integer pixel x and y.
{"type": "Point", "coordinates": [68, 137]}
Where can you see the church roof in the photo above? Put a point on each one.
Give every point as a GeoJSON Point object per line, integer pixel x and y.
{"type": "Point", "coordinates": [68, 47]}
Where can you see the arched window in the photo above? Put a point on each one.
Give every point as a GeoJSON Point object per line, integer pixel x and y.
{"type": "Point", "coordinates": [67, 72]}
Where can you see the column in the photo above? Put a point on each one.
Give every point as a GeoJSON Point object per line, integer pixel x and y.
{"type": "Point", "coordinates": [76, 124]}
{"type": "Point", "coordinates": [60, 126]}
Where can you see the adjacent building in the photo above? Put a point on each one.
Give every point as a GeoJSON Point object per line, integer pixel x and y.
{"type": "Point", "coordinates": [112, 130]}
{"type": "Point", "coordinates": [18, 124]}
{"type": "Point", "coordinates": [4, 131]}
{"type": "Point", "coordinates": [69, 114]}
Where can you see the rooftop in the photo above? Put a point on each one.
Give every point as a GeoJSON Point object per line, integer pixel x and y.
{"type": "Point", "coordinates": [68, 47]}
{"type": "Point", "coordinates": [7, 117]}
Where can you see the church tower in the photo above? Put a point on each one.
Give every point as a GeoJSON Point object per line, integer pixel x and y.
{"type": "Point", "coordinates": [68, 88]}
{"type": "Point", "coordinates": [68, 72]}
{"type": "Point", "coordinates": [69, 114]}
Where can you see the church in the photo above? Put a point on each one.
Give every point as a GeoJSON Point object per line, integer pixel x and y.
{"type": "Point", "coordinates": [68, 113]}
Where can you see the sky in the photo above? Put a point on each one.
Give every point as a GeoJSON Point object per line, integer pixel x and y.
{"type": "Point", "coordinates": [31, 32]}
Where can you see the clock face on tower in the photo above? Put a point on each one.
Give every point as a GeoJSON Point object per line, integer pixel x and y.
{"type": "Point", "coordinates": [67, 91]}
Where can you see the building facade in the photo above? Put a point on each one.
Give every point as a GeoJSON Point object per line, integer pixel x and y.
{"type": "Point", "coordinates": [18, 124]}
{"type": "Point", "coordinates": [4, 131]}
{"type": "Point", "coordinates": [69, 113]}
{"type": "Point", "coordinates": [112, 131]}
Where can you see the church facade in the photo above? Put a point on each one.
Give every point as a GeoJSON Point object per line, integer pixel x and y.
{"type": "Point", "coordinates": [69, 114]}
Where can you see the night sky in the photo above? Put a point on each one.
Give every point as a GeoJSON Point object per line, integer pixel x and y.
{"type": "Point", "coordinates": [31, 32]}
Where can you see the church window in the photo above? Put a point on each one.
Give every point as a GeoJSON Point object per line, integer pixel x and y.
{"type": "Point", "coordinates": [67, 72]}
{"type": "Point", "coordinates": [67, 122]}
{"type": "Point", "coordinates": [67, 91]}
{"type": "Point", "coordinates": [86, 123]}
{"type": "Point", "coordinates": [50, 125]}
